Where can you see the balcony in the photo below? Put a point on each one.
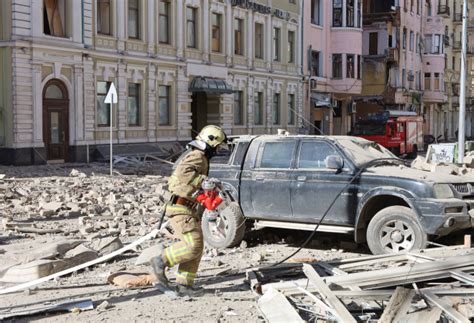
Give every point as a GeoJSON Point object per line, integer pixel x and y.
{"type": "Point", "coordinates": [457, 18]}
{"type": "Point", "coordinates": [444, 11]}
{"type": "Point", "coordinates": [391, 55]}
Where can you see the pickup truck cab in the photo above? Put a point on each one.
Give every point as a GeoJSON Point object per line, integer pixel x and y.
{"type": "Point", "coordinates": [290, 181]}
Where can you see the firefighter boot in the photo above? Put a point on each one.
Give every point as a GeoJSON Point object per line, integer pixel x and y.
{"type": "Point", "coordinates": [159, 267]}
{"type": "Point", "coordinates": [190, 291]}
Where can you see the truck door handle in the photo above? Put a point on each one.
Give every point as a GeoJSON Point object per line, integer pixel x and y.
{"type": "Point", "coordinates": [259, 178]}
{"type": "Point", "coordinates": [301, 178]}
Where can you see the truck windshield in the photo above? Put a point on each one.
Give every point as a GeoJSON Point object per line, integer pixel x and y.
{"type": "Point", "coordinates": [369, 129]}
{"type": "Point", "coordinates": [362, 151]}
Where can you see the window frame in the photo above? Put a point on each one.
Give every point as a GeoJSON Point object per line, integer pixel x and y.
{"type": "Point", "coordinates": [311, 143]}
{"type": "Point", "coordinates": [276, 44]}
{"type": "Point", "coordinates": [239, 41]}
{"type": "Point", "coordinates": [316, 12]}
{"type": "Point", "coordinates": [270, 142]}
{"type": "Point", "coordinates": [164, 15]}
{"type": "Point", "coordinates": [291, 109]}
{"type": "Point", "coordinates": [191, 22]}
{"type": "Point", "coordinates": [138, 21]}
{"type": "Point", "coordinates": [216, 30]}
{"type": "Point", "coordinates": [291, 46]}
{"type": "Point", "coordinates": [137, 97]}
{"type": "Point", "coordinates": [239, 104]}
{"type": "Point", "coordinates": [166, 97]}
{"type": "Point", "coordinates": [316, 68]}
{"type": "Point", "coordinates": [337, 68]}
{"type": "Point", "coordinates": [276, 109]}
{"type": "Point", "coordinates": [339, 11]}
{"type": "Point", "coordinates": [99, 4]}
{"type": "Point", "coordinates": [106, 106]}
{"type": "Point", "coordinates": [259, 41]}
{"type": "Point", "coordinates": [352, 76]}
{"type": "Point", "coordinates": [258, 98]}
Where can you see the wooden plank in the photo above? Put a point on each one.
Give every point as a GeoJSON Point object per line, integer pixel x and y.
{"type": "Point", "coordinates": [276, 308]}
{"type": "Point", "coordinates": [398, 305]}
{"type": "Point", "coordinates": [400, 274]}
{"type": "Point", "coordinates": [341, 311]}
{"type": "Point", "coordinates": [446, 307]}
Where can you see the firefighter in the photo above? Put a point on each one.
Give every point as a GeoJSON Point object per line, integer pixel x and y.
{"type": "Point", "coordinates": [182, 210]}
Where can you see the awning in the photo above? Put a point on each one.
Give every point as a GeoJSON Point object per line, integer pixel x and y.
{"type": "Point", "coordinates": [367, 98]}
{"type": "Point", "coordinates": [209, 85]}
{"type": "Point", "coordinates": [320, 100]}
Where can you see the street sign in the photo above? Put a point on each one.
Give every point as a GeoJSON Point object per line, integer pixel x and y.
{"type": "Point", "coordinates": [111, 95]}
{"type": "Point", "coordinates": [111, 98]}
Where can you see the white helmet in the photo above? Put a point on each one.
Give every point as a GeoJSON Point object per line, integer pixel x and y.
{"type": "Point", "coordinates": [212, 135]}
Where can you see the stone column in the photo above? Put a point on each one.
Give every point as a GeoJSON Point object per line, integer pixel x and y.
{"type": "Point", "coordinates": [76, 21]}
{"type": "Point", "coordinates": [229, 25]}
{"type": "Point", "coordinates": [151, 26]}
{"type": "Point", "coordinates": [37, 106]}
{"type": "Point", "coordinates": [120, 25]}
{"type": "Point", "coordinates": [180, 22]}
{"type": "Point", "coordinates": [36, 19]}
{"type": "Point", "coordinates": [121, 108]}
{"type": "Point", "coordinates": [269, 104]}
{"type": "Point", "coordinates": [89, 99]}
{"type": "Point", "coordinates": [250, 37]}
{"type": "Point", "coordinates": [151, 102]}
{"type": "Point", "coordinates": [250, 104]}
{"type": "Point", "coordinates": [269, 41]}
{"type": "Point", "coordinates": [79, 104]}
{"type": "Point", "coordinates": [205, 30]}
{"type": "Point", "coordinates": [226, 117]}
{"type": "Point", "coordinates": [183, 105]}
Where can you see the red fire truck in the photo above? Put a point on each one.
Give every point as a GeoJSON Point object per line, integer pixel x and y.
{"type": "Point", "coordinates": [399, 131]}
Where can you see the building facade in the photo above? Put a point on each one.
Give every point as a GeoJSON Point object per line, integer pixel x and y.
{"type": "Point", "coordinates": [332, 63]}
{"type": "Point", "coordinates": [177, 66]}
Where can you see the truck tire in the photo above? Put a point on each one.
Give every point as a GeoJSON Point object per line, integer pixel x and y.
{"type": "Point", "coordinates": [395, 229]}
{"type": "Point", "coordinates": [227, 230]}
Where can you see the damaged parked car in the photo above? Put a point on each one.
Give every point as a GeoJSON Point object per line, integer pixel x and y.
{"type": "Point", "coordinates": [286, 181]}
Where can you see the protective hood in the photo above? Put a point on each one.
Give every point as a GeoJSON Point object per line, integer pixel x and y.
{"type": "Point", "coordinates": [201, 145]}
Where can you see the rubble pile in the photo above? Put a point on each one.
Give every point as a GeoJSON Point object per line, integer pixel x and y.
{"type": "Point", "coordinates": [96, 203]}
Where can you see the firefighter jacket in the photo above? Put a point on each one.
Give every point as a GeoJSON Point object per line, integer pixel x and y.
{"type": "Point", "coordinates": [191, 170]}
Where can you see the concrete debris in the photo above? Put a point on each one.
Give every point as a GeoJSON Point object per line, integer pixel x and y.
{"type": "Point", "coordinates": [104, 306]}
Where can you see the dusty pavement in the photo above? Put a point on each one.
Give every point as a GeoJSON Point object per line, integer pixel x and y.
{"type": "Point", "coordinates": [80, 202]}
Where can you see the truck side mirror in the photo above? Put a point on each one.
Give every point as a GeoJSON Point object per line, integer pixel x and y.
{"type": "Point", "coordinates": [334, 162]}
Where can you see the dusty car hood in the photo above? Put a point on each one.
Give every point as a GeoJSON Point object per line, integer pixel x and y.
{"type": "Point", "coordinates": [416, 174]}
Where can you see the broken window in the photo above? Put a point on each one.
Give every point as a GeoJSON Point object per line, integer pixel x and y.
{"type": "Point", "coordinates": [54, 16]}
{"type": "Point", "coordinates": [373, 43]}
{"type": "Point", "coordinates": [103, 109]}
{"type": "Point", "coordinates": [315, 63]}
{"type": "Point", "coordinates": [164, 118]}
{"type": "Point", "coordinates": [103, 17]}
{"type": "Point", "coordinates": [133, 19]}
{"type": "Point", "coordinates": [133, 104]}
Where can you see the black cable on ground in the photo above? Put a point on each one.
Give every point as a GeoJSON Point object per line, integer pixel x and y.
{"type": "Point", "coordinates": [356, 175]}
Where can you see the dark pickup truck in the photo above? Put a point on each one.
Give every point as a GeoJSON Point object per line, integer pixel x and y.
{"type": "Point", "coordinates": [289, 182]}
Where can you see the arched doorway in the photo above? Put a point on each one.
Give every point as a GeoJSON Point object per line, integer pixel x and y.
{"type": "Point", "coordinates": [56, 121]}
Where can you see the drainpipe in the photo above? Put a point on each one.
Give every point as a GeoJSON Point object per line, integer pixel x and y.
{"type": "Point", "coordinates": [462, 97]}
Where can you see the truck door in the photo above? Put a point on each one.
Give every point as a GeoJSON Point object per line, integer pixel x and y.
{"type": "Point", "coordinates": [314, 186]}
{"type": "Point", "coordinates": [265, 188]}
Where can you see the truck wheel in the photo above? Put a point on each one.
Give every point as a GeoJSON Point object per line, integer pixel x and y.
{"type": "Point", "coordinates": [395, 229]}
{"type": "Point", "coordinates": [225, 231]}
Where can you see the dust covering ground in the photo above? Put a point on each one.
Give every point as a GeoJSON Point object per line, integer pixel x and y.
{"type": "Point", "coordinates": [81, 202]}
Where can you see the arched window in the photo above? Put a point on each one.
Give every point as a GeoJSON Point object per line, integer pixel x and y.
{"type": "Point", "coordinates": [55, 90]}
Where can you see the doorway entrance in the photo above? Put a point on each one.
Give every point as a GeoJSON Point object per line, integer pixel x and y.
{"type": "Point", "coordinates": [199, 112]}
{"type": "Point", "coordinates": [56, 121]}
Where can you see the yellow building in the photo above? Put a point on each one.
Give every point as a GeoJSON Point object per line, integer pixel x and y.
{"type": "Point", "coordinates": [177, 66]}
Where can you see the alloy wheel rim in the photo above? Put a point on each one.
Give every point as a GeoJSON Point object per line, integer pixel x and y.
{"type": "Point", "coordinates": [396, 236]}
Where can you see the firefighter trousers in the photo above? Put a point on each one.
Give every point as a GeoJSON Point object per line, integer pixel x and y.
{"type": "Point", "coordinates": [188, 251]}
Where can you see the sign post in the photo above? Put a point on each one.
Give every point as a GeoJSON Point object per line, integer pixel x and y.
{"type": "Point", "coordinates": [111, 98]}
